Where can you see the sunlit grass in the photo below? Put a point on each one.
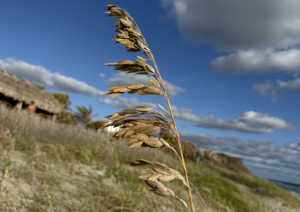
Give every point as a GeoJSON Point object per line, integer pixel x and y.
{"type": "Point", "coordinates": [55, 167]}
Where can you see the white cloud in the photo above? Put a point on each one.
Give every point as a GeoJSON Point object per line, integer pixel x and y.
{"type": "Point", "coordinates": [126, 103]}
{"type": "Point", "coordinates": [248, 122]}
{"type": "Point", "coordinates": [254, 151]}
{"type": "Point", "coordinates": [129, 79]}
{"type": "Point", "coordinates": [102, 75]}
{"type": "Point", "coordinates": [268, 89]}
{"type": "Point", "coordinates": [293, 85]}
{"type": "Point", "coordinates": [261, 36]}
{"type": "Point", "coordinates": [298, 138]}
{"type": "Point", "coordinates": [184, 114]}
{"type": "Point", "coordinates": [238, 24]}
{"type": "Point", "coordinates": [265, 89]}
{"type": "Point", "coordinates": [38, 74]}
{"type": "Point", "coordinates": [259, 61]}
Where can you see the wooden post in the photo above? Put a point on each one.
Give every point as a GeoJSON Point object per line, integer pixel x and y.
{"type": "Point", "coordinates": [54, 118]}
{"type": "Point", "coordinates": [19, 106]}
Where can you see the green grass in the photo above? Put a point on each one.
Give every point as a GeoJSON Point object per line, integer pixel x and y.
{"type": "Point", "coordinates": [55, 167]}
{"type": "Point", "coordinates": [217, 190]}
{"type": "Point", "coordinates": [263, 187]}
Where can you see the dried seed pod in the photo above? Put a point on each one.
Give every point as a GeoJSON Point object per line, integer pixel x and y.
{"type": "Point", "coordinates": [154, 177]}
{"type": "Point", "coordinates": [147, 126]}
{"type": "Point", "coordinates": [126, 42]}
{"type": "Point", "coordinates": [132, 31]}
{"type": "Point", "coordinates": [113, 138]}
{"type": "Point", "coordinates": [140, 92]}
{"type": "Point", "coordinates": [129, 111]}
{"type": "Point", "coordinates": [122, 117]}
{"type": "Point", "coordinates": [123, 35]}
{"type": "Point", "coordinates": [128, 125]}
{"type": "Point", "coordinates": [163, 108]}
{"type": "Point", "coordinates": [106, 94]}
{"type": "Point", "coordinates": [133, 91]}
{"type": "Point", "coordinates": [123, 68]}
{"type": "Point", "coordinates": [131, 141]}
{"type": "Point", "coordinates": [136, 145]}
{"type": "Point", "coordinates": [161, 119]}
{"type": "Point", "coordinates": [140, 136]}
{"type": "Point", "coordinates": [121, 90]}
{"type": "Point", "coordinates": [144, 72]}
{"type": "Point", "coordinates": [150, 69]}
{"type": "Point", "coordinates": [142, 58]}
{"type": "Point", "coordinates": [182, 202]}
{"type": "Point", "coordinates": [145, 177]}
{"type": "Point", "coordinates": [146, 54]}
{"type": "Point", "coordinates": [121, 132]}
{"type": "Point", "coordinates": [153, 121]}
{"type": "Point", "coordinates": [177, 175]}
{"type": "Point", "coordinates": [151, 130]}
{"type": "Point", "coordinates": [114, 87]}
{"type": "Point", "coordinates": [138, 114]}
{"type": "Point", "coordinates": [135, 86]}
{"type": "Point", "coordinates": [145, 108]}
{"type": "Point", "coordinates": [153, 82]}
{"type": "Point", "coordinates": [116, 95]}
{"type": "Point", "coordinates": [137, 68]}
{"type": "Point", "coordinates": [133, 50]}
{"type": "Point", "coordinates": [114, 116]}
{"type": "Point", "coordinates": [125, 62]}
{"type": "Point", "coordinates": [125, 22]}
{"type": "Point", "coordinates": [129, 133]}
{"type": "Point", "coordinates": [153, 142]}
{"type": "Point", "coordinates": [137, 127]}
{"type": "Point", "coordinates": [152, 90]}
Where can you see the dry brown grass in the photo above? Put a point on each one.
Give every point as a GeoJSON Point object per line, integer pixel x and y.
{"type": "Point", "coordinates": [140, 130]}
{"type": "Point", "coordinates": [48, 166]}
{"type": "Point", "coordinates": [55, 167]}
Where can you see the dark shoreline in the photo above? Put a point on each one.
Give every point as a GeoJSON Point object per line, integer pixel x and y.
{"type": "Point", "coordinates": [292, 187]}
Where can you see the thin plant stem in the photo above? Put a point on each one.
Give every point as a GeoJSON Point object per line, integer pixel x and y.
{"type": "Point", "coordinates": [177, 136]}
{"type": "Point", "coordinates": [173, 120]}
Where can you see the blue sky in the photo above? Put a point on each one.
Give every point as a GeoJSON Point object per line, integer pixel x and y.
{"type": "Point", "coordinates": [232, 67]}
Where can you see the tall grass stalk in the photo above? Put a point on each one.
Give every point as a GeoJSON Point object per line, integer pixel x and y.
{"type": "Point", "coordinates": [139, 131]}
{"type": "Point", "coordinates": [85, 172]}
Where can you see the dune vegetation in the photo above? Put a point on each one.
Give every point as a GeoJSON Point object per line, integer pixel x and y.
{"type": "Point", "coordinates": [49, 166]}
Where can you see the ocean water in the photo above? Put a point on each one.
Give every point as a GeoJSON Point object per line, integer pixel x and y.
{"type": "Point", "coordinates": [294, 188]}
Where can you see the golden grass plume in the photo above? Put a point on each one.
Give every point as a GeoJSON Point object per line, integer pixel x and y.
{"type": "Point", "coordinates": [139, 131]}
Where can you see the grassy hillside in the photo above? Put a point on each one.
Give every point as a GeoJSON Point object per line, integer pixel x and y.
{"type": "Point", "coordinates": [54, 167]}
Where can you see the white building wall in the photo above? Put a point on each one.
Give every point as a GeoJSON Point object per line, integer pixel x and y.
{"type": "Point", "coordinates": [111, 129]}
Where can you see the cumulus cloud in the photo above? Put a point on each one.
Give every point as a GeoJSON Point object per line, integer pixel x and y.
{"type": "Point", "coordinates": [129, 79]}
{"type": "Point", "coordinates": [238, 24]}
{"type": "Point", "coordinates": [269, 89]}
{"type": "Point", "coordinates": [184, 114]}
{"type": "Point", "coordinates": [259, 61]}
{"type": "Point", "coordinates": [254, 151]}
{"type": "Point", "coordinates": [38, 74]}
{"type": "Point", "coordinates": [126, 103]}
{"type": "Point", "coordinates": [265, 89]}
{"type": "Point", "coordinates": [261, 36]}
{"type": "Point", "coordinates": [248, 122]}
{"type": "Point", "coordinates": [102, 75]}
{"type": "Point", "coordinates": [293, 85]}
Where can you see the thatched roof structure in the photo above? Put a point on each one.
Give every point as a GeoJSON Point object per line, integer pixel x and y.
{"type": "Point", "coordinates": [22, 90]}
